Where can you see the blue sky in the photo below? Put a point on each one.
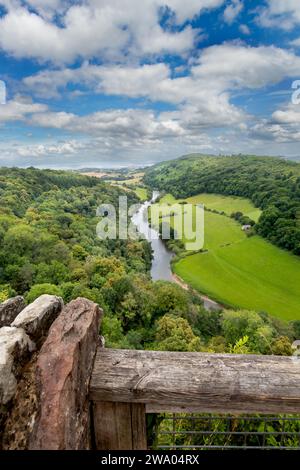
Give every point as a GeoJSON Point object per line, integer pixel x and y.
{"type": "Point", "coordinates": [103, 83]}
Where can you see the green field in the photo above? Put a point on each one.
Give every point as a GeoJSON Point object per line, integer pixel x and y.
{"type": "Point", "coordinates": [239, 271]}
{"type": "Point", "coordinates": [219, 230]}
{"type": "Point", "coordinates": [141, 193]}
{"type": "Point", "coordinates": [227, 204]}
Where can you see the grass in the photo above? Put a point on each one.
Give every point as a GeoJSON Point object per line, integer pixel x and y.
{"type": "Point", "coordinates": [239, 271]}
{"type": "Point", "coordinates": [131, 178]}
{"type": "Point", "coordinates": [252, 274]}
{"type": "Point", "coordinates": [219, 230]}
{"type": "Point", "coordinates": [141, 193]}
{"type": "Point", "coordinates": [227, 204]}
{"type": "Point", "coordinates": [135, 179]}
{"type": "Point", "coordinates": [132, 184]}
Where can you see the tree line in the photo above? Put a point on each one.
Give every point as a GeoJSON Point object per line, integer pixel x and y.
{"type": "Point", "coordinates": [48, 244]}
{"type": "Point", "coordinates": [272, 184]}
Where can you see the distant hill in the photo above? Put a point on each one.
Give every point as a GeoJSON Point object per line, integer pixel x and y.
{"type": "Point", "coordinates": [293, 159]}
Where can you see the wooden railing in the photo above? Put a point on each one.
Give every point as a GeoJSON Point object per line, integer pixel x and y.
{"type": "Point", "coordinates": [125, 385]}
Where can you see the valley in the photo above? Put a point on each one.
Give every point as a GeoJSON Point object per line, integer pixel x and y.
{"type": "Point", "coordinates": [235, 268]}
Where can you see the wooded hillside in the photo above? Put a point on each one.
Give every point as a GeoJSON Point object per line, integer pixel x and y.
{"type": "Point", "coordinates": [272, 184]}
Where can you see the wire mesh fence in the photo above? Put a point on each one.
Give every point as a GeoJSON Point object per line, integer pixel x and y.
{"type": "Point", "coordinates": [211, 431]}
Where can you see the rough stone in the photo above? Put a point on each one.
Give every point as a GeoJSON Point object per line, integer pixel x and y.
{"type": "Point", "coordinates": [20, 417]}
{"type": "Point", "coordinates": [37, 317]}
{"type": "Point", "coordinates": [15, 349]}
{"type": "Point", "coordinates": [10, 309]}
{"type": "Point", "coordinates": [64, 368]}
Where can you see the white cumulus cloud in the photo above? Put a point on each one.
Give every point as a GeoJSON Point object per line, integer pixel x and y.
{"type": "Point", "coordinates": [94, 28]}
{"type": "Point", "coordinates": [233, 10]}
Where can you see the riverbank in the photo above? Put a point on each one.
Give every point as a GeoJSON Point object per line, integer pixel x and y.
{"type": "Point", "coordinates": [161, 256]}
{"type": "Point", "coordinates": [208, 303]}
{"type": "Point", "coordinates": [161, 268]}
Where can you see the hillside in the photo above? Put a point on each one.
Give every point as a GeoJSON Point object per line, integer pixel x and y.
{"type": "Point", "coordinates": [235, 268]}
{"type": "Point", "coordinates": [48, 244]}
{"type": "Point", "coordinates": [272, 184]}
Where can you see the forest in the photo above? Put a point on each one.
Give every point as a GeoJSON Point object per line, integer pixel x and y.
{"type": "Point", "coordinates": [48, 244]}
{"type": "Point", "coordinates": [272, 184]}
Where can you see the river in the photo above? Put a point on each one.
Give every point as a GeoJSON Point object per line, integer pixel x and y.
{"type": "Point", "coordinates": [161, 262]}
{"type": "Point", "coordinates": [162, 257]}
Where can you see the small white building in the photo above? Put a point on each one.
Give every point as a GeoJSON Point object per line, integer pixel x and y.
{"type": "Point", "coordinates": [246, 228]}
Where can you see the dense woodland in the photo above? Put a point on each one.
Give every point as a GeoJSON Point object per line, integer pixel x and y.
{"type": "Point", "coordinates": [48, 244]}
{"type": "Point", "coordinates": [272, 184]}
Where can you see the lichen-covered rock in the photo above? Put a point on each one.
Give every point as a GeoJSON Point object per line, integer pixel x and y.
{"type": "Point", "coordinates": [15, 348]}
{"type": "Point", "coordinates": [10, 309]}
{"type": "Point", "coordinates": [20, 417]}
{"type": "Point", "coordinates": [64, 368]}
{"type": "Point", "coordinates": [37, 317]}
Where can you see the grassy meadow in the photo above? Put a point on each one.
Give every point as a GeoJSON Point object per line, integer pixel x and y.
{"type": "Point", "coordinates": [141, 193]}
{"type": "Point", "coordinates": [227, 204]}
{"type": "Point", "coordinates": [240, 271]}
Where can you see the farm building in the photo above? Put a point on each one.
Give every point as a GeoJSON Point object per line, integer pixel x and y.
{"type": "Point", "coordinates": [246, 228]}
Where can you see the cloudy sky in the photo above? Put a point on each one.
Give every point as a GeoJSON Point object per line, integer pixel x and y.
{"type": "Point", "coordinates": [116, 82]}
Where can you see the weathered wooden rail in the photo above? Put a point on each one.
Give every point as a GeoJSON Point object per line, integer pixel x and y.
{"type": "Point", "coordinates": [125, 385]}
{"type": "Point", "coordinates": [83, 396]}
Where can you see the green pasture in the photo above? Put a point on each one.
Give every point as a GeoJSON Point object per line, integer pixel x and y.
{"type": "Point", "coordinates": [240, 271]}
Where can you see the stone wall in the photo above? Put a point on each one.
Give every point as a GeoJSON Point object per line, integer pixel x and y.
{"type": "Point", "coordinates": [46, 358]}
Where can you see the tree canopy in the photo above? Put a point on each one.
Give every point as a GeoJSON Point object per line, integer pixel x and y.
{"type": "Point", "coordinates": [272, 184]}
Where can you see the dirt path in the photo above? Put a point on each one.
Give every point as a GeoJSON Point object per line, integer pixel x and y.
{"type": "Point", "coordinates": [209, 304]}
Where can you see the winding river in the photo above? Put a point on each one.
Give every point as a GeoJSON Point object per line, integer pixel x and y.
{"type": "Point", "coordinates": [162, 257]}
{"type": "Point", "coordinates": [161, 263]}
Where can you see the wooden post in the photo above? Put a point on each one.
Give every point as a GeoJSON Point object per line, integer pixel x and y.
{"type": "Point", "coordinates": [120, 426]}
